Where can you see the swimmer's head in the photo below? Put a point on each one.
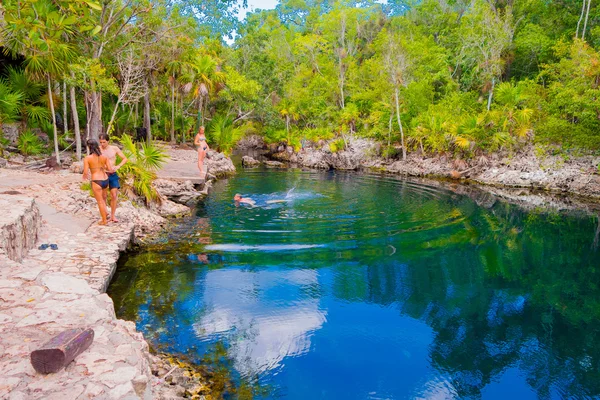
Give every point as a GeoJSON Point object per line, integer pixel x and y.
{"type": "Point", "coordinates": [237, 197]}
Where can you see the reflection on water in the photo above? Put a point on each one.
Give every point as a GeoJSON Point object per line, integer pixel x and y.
{"type": "Point", "coordinates": [363, 287]}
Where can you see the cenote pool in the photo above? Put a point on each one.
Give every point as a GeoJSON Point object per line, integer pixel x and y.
{"type": "Point", "coordinates": [372, 287]}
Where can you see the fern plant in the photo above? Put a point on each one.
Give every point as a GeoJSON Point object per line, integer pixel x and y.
{"type": "Point", "coordinates": [10, 101]}
{"type": "Point", "coordinates": [140, 170]}
{"type": "Point", "coordinates": [223, 134]}
{"type": "Point", "coordinates": [29, 144]}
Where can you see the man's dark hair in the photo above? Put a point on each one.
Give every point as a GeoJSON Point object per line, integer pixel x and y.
{"type": "Point", "coordinates": [103, 136]}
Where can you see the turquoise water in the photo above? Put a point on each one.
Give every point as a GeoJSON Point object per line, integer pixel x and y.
{"type": "Point", "coordinates": [372, 287]}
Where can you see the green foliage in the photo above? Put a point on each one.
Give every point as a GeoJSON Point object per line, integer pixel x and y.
{"type": "Point", "coordinates": [29, 144]}
{"type": "Point", "coordinates": [140, 170]}
{"type": "Point", "coordinates": [222, 133]}
{"type": "Point", "coordinates": [10, 101]}
{"type": "Point", "coordinates": [337, 145]}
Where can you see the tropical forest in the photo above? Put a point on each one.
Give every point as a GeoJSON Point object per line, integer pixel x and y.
{"type": "Point", "coordinates": [466, 78]}
{"type": "Point", "coordinates": [299, 199]}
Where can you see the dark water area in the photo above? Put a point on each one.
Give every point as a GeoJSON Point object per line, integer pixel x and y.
{"type": "Point", "coordinates": [373, 287]}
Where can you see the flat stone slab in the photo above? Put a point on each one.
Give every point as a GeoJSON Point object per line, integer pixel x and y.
{"type": "Point", "coordinates": [53, 290]}
{"type": "Point", "coordinates": [20, 221]}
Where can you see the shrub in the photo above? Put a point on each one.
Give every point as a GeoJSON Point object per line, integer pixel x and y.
{"type": "Point", "coordinates": [337, 145]}
{"type": "Point", "coordinates": [223, 134]}
{"type": "Point", "coordinates": [29, 144]}
{"type": "Point", "coordinates": [140, 171]}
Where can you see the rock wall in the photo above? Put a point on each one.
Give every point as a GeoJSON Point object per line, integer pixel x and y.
{"type": "Point", "coordinates": [523, 169]}
{"type": "Point", "coordinates": [20, 222]}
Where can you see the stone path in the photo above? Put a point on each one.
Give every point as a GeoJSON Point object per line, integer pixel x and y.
{"type": "Point", "coordinates": [54, 290]}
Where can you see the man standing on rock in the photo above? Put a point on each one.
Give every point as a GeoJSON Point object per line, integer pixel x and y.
{"type": "Point", "coordinates": [111, 152]}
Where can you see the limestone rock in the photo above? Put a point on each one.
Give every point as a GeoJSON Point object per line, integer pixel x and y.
{"type": "Point", "coordinates": [144, 219]}
{"type": "Point", "coordinates": [274, 164]}
{"type": "Point", "coordinates": [77, 167]}
{"type": "Point", "coordinates": [167, 208]}
{"type": "Point", "coordinates": [10, 133]}
{"type": "Point", "coordinates": [218, 164]}
{"type": "Point", "coordinates": [3, 162]}
{"type": "Point", "coordinates": [20, 221]}
{"type": "Point", "coordinates": [63, 283]}
{"type": "Point", "coordinates": [179, 192]}
{"type": "Point", "coordinates": [249, 162]}
{"type": "Point", "coordinates": [249, 143]}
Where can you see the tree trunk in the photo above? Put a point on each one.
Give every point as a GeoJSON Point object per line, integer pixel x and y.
{"type": "Point", "coordinates": [400, 124]}
{"type": "Point", "coordinates": [390, 130]}
{"type": "Point", "coordinates": [112, 117]}
{"type": "Point", "coordinates": [183, 133]}
{"type": "Point", "coordinates": [75, 123]}
{"type": "Point", "coordinates": [489, 103]}
{"type": "Point", "coordinates": [342, 78]}
{"type": "Point", "coordinates": [200, 118]}
{"type": "Point", "coordinates": [65, 124]}
{"type": "Point", "coordinates": [94, 109]}
{"type": "Point", "coordinates": [587, 14]}
{"type": "Point", "coordinates": [147, 117]}
{"type": "Point", "coordinates": [287, 127]}
{"type": "Point", "coordinates": [580, 18]}
{"type": "Point", "coordinates": [173, 111]}
{"type": "Point", "coordinates": [53, 120]}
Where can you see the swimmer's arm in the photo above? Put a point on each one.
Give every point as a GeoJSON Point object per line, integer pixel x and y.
{"type": "Point", "coordinates": [197, 140]}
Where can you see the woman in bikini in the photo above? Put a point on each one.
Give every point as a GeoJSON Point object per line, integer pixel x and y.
{"type": "Point", "coordinates": [202, 145]}
{"type": "Point", "coordinates": [94, 167]}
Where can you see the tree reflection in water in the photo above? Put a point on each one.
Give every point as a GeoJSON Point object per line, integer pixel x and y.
{"type": "Point", "coordinates": [501, 289]}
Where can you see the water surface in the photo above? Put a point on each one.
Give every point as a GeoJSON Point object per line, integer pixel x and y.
{"type": "Point", "coordinates": [369, 287]}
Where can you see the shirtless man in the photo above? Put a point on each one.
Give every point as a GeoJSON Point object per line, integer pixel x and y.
{"type": "Point", "coordinates": [111, 152]}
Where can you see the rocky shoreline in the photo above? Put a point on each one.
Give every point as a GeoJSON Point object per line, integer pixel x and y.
{"type": "Point", "coordinates": [530, 168]}
{"type": "Point", "coordinates": [43, 292]}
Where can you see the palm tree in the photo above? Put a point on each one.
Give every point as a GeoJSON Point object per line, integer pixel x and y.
{"type": "Point", "coordinates": [34, 106]}
{"type": "Point", "coordinates": [39, 32]}
{"type": "Point", "coordinates": [206, 75]}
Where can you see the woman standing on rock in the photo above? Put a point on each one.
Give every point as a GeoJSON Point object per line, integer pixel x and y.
{"type": "Point", "coordinates": [94, 167]}
{"type": "Point", "coordinates": [202, 146]}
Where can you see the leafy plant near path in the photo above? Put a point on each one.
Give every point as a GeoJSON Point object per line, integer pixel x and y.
{"type": "Point", "coordinates": [29, 144]}
{"type": "Point", "coordinates": [223, 134]}
{"type": "Point", "coordinates": [140, 170]}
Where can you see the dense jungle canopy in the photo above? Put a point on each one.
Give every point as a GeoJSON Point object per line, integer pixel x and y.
{"type": "Point", "coordinates": [467, 78]}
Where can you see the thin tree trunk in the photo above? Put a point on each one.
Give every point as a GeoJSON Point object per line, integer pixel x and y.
{"type": "Point", "coordinates": [183, 135]}
{"type": "Point", "coordinates": [200, 116]}
{"type": "Point", "coordinates": [342, 102]}
{"type": "Point", "coordinates": [390, 130]}
{"type": "Point", "coordinates": [580, 18]}
{"type": "Point", "coordinates": [112, 118]}
{"type": "Point", "coordinates": [173, 110]}
{"type": "Point", "coordinates": [65, 123]}
{"type": "Point", "coordinates": [287, 127]}
{"type": "Point", "coordinates": [587, 14]}
{"type": "Point", "coordinates": [137, 112]}
{"type": "Point", "coordinates": [53, 120]}
{"type": "Point", "coordinates": [489, 103]}
{"type": "Point", "coordinates": [94, 114]}
{"type": "Point", "coordinates": [147, 117]}
{"type": "Point", "coordinates": [400, 124]}
{"type": "Point", "coordinates": [75, 124]}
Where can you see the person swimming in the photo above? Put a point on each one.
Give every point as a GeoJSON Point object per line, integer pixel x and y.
{"type": "Point", "coordinates": [243, 200]}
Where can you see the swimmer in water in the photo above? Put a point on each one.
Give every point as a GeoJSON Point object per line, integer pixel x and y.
{"type": "Point", "coordinates": [243, 200]}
